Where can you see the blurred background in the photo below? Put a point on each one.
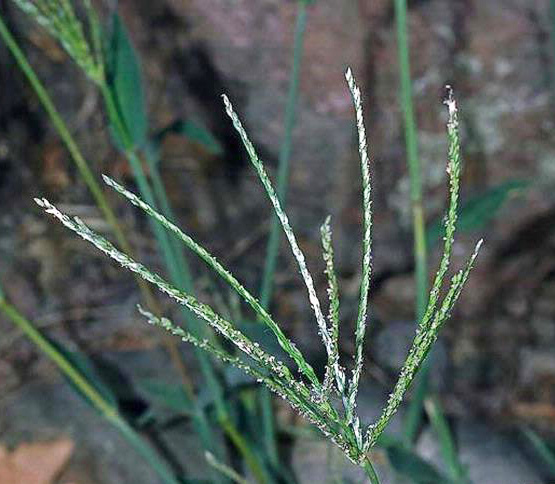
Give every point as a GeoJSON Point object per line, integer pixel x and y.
{"type": "Point", "coordinates": [493, 369]}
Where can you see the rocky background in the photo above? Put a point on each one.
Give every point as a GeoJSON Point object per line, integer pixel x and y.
{"type": "Point", "coordinates": [495, 364]}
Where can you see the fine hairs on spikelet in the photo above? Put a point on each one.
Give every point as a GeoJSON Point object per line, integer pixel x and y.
{"type": "Point", "coordinates": [304, 391]}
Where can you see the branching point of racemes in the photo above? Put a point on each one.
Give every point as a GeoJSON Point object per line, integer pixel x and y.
{"type": "Point", "coordinates": [304, 391]}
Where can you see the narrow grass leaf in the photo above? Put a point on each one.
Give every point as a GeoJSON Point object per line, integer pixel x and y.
{"type": "Point", "coordinates": [167, 395]}
{"type": "Point", "coordinates": [410, 465]}
{"type": "Point", "coordinates": [125, 83]}
{"type": "Point", "coordinates": [480, 210]}
{"type": "Point", "coordinates": [543, 451]}
{"type": "Point", "coordinates": [445, 437]}
{"type": "Point", "coordinates": [193, 131]}
{"type": "Point", "coordinates": [88, 372]}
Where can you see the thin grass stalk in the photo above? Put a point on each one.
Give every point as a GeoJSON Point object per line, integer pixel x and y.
{"type": "Point", "coordinates": [411, 142]}
{"type": "Point", "coordinates": [415, 410]}
{"type": "Point", "coordinates": [93, 186]}
{"type": "Point", "coordinates": [370, 471]}
{"type": "Point", "coordinates": [105, 408]}
{"type": "Point", "coordinates": [224, 469]}
{"type": "Point", "coordinates": [447, 445]}
{"type": "Point", "coordinates": [272, 249]}
{"type": "Point", "coordinates": [179, 272]}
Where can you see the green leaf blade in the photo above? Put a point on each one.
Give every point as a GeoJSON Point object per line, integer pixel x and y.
{"type": "Point", "coordinates": [124, 82]}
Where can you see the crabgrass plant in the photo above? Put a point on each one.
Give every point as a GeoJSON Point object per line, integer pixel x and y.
{"type": "Point", "coordinates": [303, 390]}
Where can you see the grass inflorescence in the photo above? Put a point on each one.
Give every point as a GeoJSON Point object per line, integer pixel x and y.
{"type": "Point", "coordinates": [313, 398]}
{"type": "Point", "coordinates": [61, 21]}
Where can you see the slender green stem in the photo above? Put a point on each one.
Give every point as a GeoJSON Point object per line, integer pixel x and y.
{"type": "Point", "coordinates": [224, 469]}
{"type": "Point", "coordinates": [63, 131]}
{"type": "Point", "coordinates": [447, 444]}
{"type": "Point", "coordinates": [269, 426]}
{"type": "Point", "coordinates": [144, 450]}
{"type": "Point", "coordinates": [178, 270]}
{"type": "Point", "coordinates": [370, 471]}
{"type": "Point", "coordinates": [543, 451]}
{"type": "Point", "coordinates": [411, 142]}
{"type": "Point", "coordinates": [105, 408]}
{"type": "Point", "coordinates": [272, 248]}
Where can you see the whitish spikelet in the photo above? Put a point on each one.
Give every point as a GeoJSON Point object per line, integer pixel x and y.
{"type": "Point", "coordinates": [284, 220]}
{"type": "Point", "coordinates": [360, 328]}
{"type": "Point", "coordinates": [333, 368]}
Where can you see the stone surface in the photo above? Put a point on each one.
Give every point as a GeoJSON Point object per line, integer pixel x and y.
{"type": "Point", "coordinates": [45, 411]}
{"type": "Point", "coordinates": [488, 455]}
{"type": "Point", "coordinates": [492, 457]}
{"type": "Point", "coordinates": [49, 409]}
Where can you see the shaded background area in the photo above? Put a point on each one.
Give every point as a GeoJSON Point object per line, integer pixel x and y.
{"type": "Point", "coordinates": [495, 363]}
